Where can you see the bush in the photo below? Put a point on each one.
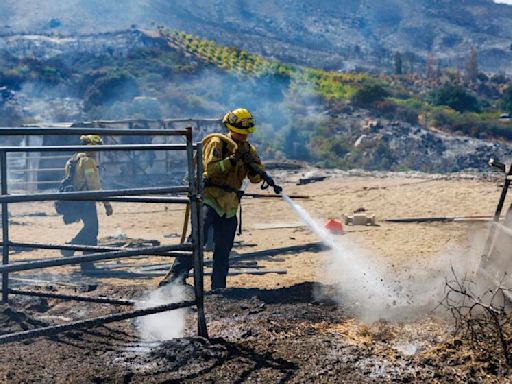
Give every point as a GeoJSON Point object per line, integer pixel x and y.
{"type": "Point", "coordinates": [506, 100]}
{"type": "Point", "coordinates": [499, 78]}
{"type": "Point", "coordinates": [369, 94]}
{"type": "Point", "coordinates": [389, 110]}
{"type": "Point", "coordinates": [472, 124]}
{"type": "Point", "coordinates": [456, 98]}
{"type": "Point", "coordinates": [109, 88]}
{"type": "Point", "coordinates": [12, 78]}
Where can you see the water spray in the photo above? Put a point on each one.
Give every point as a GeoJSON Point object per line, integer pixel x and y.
{"type": "Point", "coordinates": [358, 278]}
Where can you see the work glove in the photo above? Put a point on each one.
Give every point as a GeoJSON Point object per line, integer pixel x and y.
{"type": "Point", "coordinates": [108, 209]}
{"type": "Point", "coordinates": [277, 189]}
{"type": "Point", "coordinates": [240, 151]}
{"type": "Point", "coordinates": [269, 182]}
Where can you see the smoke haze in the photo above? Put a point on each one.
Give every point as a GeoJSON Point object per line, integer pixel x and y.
{"type": "Point", "coordinates": [165, 325]}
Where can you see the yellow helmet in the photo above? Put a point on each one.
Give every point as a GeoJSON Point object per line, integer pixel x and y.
{"type": "Point", "coordinates": [91, 139]}
{"type": "Point", "coordinates": [240, 121]}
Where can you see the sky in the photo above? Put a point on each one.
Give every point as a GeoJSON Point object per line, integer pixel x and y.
{"type": "Point", "coordinates": [509, 2]}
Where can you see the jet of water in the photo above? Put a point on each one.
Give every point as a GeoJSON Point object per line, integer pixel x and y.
{"type": "Point", "coordinates": [357, 276]}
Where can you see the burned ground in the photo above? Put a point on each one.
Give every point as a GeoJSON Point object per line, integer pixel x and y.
{"type": "Point", "coordinates": [282, 335]}
{"type": "Point", "coordinates": [290, 328]}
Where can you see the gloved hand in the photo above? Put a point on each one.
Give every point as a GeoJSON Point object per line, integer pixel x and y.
{"type": "Point", "coordinates": [269, 181]}
{"type": "Point", "coordinates": [240, 151]}
{"type": "Point", "coordinates": [277, 189]}
{"type": "Point", "coordinates": [108, 209]}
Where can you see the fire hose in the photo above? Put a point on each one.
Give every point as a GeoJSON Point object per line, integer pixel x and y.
{"type": "Point", "coordinates": [266, 183]}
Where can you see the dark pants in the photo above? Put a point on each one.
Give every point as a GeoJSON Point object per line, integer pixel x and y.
{"type": "Point", "coordinates": [88, 235]}
{"type": "Point", "coordinates": [223, 236]}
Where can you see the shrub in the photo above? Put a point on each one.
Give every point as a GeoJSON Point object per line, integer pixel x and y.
{"type": "Point", "coordinates": [506, 100]}
{"type": "Point", "coordinates": [455, 97]}
{"type": "Point", "coordinates": [111, 87]}
{"type": "Point", "coordinates": [369, 94]}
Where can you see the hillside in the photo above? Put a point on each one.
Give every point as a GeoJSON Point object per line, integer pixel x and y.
{"type": "Point", "coordinates": [354, 34]}
{"type": "Point", "coordinates": [445, 122]}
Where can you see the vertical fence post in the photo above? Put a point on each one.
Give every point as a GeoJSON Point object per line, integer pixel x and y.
{"type": "Point", "coordinates": [5, 226]}
{"type": "Point", "coordinates": [196, 241]}
{"type": "Point", "coordinates": [199, 262]}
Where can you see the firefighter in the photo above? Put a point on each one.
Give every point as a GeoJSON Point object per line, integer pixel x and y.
{"type": "Point", "coordinates": [227, 160]}
{"type": "Point", "coordinates": [83, 170]}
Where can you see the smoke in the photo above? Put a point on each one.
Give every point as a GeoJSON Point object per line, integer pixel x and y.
{"type": "Point", "coordinates": [166, 325]}
{"type": "Point", "coordinates": [75, 16]}
{"type": "Point", "coordinates": [49, 104]}
{"type": "Point", "coordinates": [280, 105]}
{"type": "Point", "coordinates": [371, 288]}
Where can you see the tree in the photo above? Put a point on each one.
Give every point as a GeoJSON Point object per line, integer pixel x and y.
{"type": "Point", "coordinates": [471, 67]}
{"type": "Point", "coordinates": [295, 144]}
{"type": "Point", "coordinates": [408, 62]}
{"type": "Point", "coordinates": [456, 98]}
{"type": "Point", "coordinates": [398, 63]}
{"type": "Point", "coordinates": [109, 88]}
{"type": "Point", "coordinates": [506, 100]}
{"type": "Point", "coordinates": [430, 71]}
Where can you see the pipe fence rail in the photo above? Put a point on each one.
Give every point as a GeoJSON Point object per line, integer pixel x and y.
{"type": "Point", "coordinates": [45, 169]}
{"type": "Point", "coordinates": [56, 329]}
{"type": "Point", "coordinates": [138, 195]}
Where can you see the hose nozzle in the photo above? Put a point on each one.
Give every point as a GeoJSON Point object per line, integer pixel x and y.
{"type": "Point", "coordinates": [268, 181]}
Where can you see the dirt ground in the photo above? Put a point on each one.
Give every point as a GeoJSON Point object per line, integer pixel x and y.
{"type": "Point", "coordinates": [270, 328]}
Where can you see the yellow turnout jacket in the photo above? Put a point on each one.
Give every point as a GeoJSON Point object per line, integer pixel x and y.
{"type": "Point", "coordinates": [86, 177]}
{"type": "Point", "coordinates": [218, 171]}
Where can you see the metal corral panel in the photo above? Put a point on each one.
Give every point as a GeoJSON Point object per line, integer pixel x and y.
{"type": "Point", "coordinates": [499, 262]}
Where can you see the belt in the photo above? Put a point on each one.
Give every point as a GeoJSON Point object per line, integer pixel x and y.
{"type": "Point", "coordinates": [227, 188]}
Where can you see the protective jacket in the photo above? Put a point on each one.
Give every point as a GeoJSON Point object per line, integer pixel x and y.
{"type": "Point", "coordinates": [86, 176]}
{"type": "Point", "coordinates": [222, 177]}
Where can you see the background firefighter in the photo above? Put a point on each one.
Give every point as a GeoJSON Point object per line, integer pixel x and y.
{"type": "Point", "coordinates": [227, 160]}
{"type": "Point", "coordinates": [85, 177]}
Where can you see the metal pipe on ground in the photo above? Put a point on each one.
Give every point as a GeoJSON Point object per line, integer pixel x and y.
{"type": "Point", "coordinates": [88, 258]}
{"type": "Point", "coordinates": [93, 248]}
{"type": "Point", "coordinates": [438, 219]}
{"type": "Point", "coordinates": [269, 196]}
{"type": "Point", "coordinates": [55, 329]}
{"type": "Point", "coordinates": [165, 267]}
{"type": "Point", "coordinates": [61, 296]}
{"type": "Point", "coordinates": [293, 249]}
{"type": "Point", "coordinates": [99, 272]}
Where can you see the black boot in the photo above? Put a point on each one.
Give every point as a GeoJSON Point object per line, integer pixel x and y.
{"type": "Point", "coordinates": [67, 252]}
{"type": "Point", "coordinates": [87, 267]}
{"type": "Point", "coordinates": [173, 278]}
